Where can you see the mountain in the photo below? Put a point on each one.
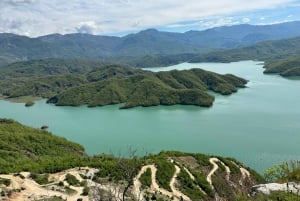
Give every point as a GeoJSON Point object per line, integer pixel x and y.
{"type": "Point", "coordinates": [135, 46]}
{"type": "Point", "coordinates": [78, 82]}
{"type": "Point", "coordinates": [288, 67]}
{"type": "Point", "coordinates": [268, 50]}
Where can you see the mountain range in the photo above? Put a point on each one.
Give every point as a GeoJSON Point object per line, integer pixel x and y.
{"type": "Point", "coordinates": [134, 48]}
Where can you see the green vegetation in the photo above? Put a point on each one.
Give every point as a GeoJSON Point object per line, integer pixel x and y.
{"type": "Point", "coordinates": [5, 182]}
{"type": "Point", "coordinates": [27, 149]}
{"type": "Point", "coordinates": [285, 172]}
{"type": "Point", "coordinates": [263, 51]}
{"type": "Point", "coordinates": [40, 178]}
{"type": "Point", "coordinates": [288, 67]}
{"type": "Point", "coordinates": [72, 180]}
{"type": "Point", "coordinates": [23, 148]}
{"type": "Point", "coordinates": [29, 104]}
{"type": "Point", "coordinates": [145, 179]}
{"type": "Point", "coordinates": [165, 172]}
{"type": "Point", "coordinates": [189, 187]}
{"type": "Point", "coordinates": [148, 47]}
{"type": "Point", "coordinates": [66, 82]}
{"type": "Point", "coordinates": [165, 88]}
{"type": "Point", "coordinates": [274, 196]}
{"type": "Point", "coordinates": [85, 191]}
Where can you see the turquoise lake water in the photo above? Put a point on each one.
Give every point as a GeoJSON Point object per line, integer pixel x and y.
{"type": "Point", "coordinates": [259, 125]}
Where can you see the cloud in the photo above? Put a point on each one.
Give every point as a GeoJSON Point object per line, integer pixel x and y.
{"type": "Point", "coordinates": [40, 17]}
{"type": "Point", "coordinates": [88, 27]}
{"type": "Point", "coordinates": [16, 2]}
{"type": "Point", "coordinates": [246, 20]}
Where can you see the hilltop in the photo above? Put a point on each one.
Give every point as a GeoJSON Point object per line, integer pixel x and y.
{"type": "Point", "coordinates": [102, 84]}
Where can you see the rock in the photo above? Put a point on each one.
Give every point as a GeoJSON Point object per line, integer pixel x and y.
{"type": "Point", "coordinates": [268, 188]}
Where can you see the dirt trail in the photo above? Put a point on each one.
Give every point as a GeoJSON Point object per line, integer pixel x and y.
{"type": "Point", "coordinates": [215, 168]}
{"type": "Point", "coordinates": [245, 173]}
{"type": "Point", "coordinates": [214, 161]}
{"type": "Point", "coordinates": [34, 191]}
{"type": "Point", "coordinates": [193, 178]}
{"type": "Point", "coordinates": [173, 188]}
{"type": "Point", "coordinates": [154, 185]}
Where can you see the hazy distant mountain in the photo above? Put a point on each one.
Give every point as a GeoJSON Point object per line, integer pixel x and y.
{"type": "Point", "coordinates": [145, 43]}
{"type": "Point", "coordinates": [268, 50]}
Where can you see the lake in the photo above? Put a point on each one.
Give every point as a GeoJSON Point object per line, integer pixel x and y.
{"type": "Point", "coordinates": [259, 125]}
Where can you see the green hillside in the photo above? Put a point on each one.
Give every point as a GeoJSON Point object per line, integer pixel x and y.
{"type": "Point", "coordinates": [262, 51]}
{"type": "Point", "coordinates": [288, 67]}
{"type": "Point", "coordinates": [25, 148]}
{"type": "Point", "coordinates": [79, 82]}
{"type": "Point", "coordinates": [188, 87]}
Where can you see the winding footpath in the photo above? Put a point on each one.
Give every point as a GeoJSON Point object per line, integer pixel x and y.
{"type": "Point", "coordinates": [176, 194]}
{"type": "Point", "coordinates": [214, 161]}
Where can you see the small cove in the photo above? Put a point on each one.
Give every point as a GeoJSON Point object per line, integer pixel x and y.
{"type": "Point", "coordinates": [258, 125]}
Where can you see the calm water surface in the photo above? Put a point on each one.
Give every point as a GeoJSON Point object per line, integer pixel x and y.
{"type": "Point", "coordinates": [259, 125]}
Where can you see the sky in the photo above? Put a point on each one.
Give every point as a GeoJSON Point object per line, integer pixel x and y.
{"type": "Point", "coordinates": [120, 17]}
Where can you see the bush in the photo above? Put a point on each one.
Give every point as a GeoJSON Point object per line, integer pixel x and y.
{"type": "Point", "coordinates": [146, 178]}
{"type": "Point", "coordinates": [40, 178]}
{"type": "Point", "coordinates": [72, 180]}
{"type": "Point", "coordinates": [6, 182]}
{"type": "Point", "coordinates": [85, 191]}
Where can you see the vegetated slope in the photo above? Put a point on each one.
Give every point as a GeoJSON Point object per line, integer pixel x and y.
{"type": "Point", "coordinates": [45, 78]}
{"type": "Point", "coordinates": [51, 66]}
{"type": "Point", "coordinates": [133, 47]}
{"type": "Point", "coordinates": [188, 87]}
{"type": "Point", "coordinates": [25, 148]}
{"type": "Point", "coordinates": [288, 67]}
{"type": "Point", "coordinates": [171, 175]}
{"type": "Point", "coordinates": [262, 51]}
{"type": "Point", "coordinates": [69, 84]}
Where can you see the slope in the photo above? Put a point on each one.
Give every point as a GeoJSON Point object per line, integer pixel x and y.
{"type": "Point", "coordinates": [25, 148]}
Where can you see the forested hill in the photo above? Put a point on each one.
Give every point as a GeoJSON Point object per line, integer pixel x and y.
{"type": "Point", "coordinates": [133, 47]}
{"type": "Point", "coordinates": [288, 67]}
{"type": "Point", "coordinates": [103, 84]}
{"type": "Point", "coordinates": [268, 50]}
{"type": "Point", "coordinates": [24, 148]}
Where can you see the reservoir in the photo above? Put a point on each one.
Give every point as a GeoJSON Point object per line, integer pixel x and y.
{"type": "Point", "coordinates": [259, 125]}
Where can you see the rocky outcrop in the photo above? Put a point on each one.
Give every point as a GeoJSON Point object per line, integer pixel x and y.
{"type": "Point", "coordinates": [270, 187]}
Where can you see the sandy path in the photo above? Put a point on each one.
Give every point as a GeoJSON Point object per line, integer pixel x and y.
{"type": "Point", "coordinates": [227, 170]}
{"type": "Point", "coordinates": [189, 173]}
{"type": "Point", "coordinates": [193, 178]}
{"type": "Point", "coordinates": [136, 191]}
{"type": "Point", "coordinates": [35, 191]}
{"type": "Point", "coordinates": [215, 168]}
{"type": "Point", "coordinates": [245, 173]}
{"type": "Point", "coordinates": [173, 188]}
{"type": "Point", "coordinates": [214, 161]}
{"type": "Point", "coordinates": [154, 185]}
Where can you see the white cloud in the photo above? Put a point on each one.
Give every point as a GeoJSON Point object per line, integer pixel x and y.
{"type": "Point", "coordinates": [88, 27]}
{"type": "Point", "coordinates": [39, 17]}
{"type": "Point", "coordinates": [246, 20]}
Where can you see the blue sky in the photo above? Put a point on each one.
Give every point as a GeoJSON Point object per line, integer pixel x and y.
{"type": "Point", "coordinates": [119, 17]}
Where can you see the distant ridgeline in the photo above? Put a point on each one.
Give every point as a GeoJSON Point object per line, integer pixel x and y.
{"type": "Point", "coordinates": [77, 82]}
{"type": "Point", "coordinates": [281, 56]}
{"type": "Point", "coordinates": [145, 48]}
